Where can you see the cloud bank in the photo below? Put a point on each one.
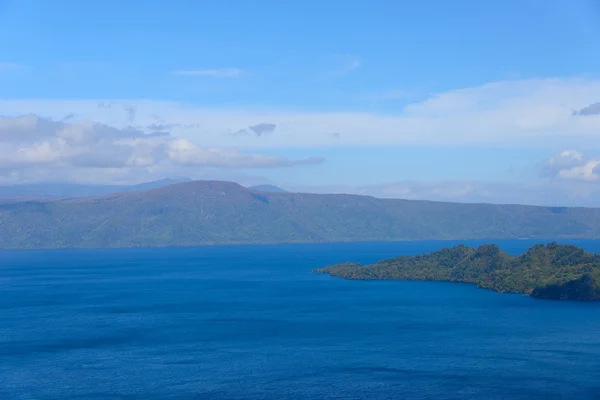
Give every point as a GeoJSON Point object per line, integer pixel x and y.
{"type": "Point", "coordinates": [130, 139]}
{"type": "Point", "coordinates": [531, 113]}
{"type": "Point", "coordinates": [32, 142]}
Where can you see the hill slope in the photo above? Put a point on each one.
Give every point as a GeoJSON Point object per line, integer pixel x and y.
{"type": "Point", "coordinates": [213, 212]}
{"type": "Point", "coordinates": [562, 272]}
{"type": "Point", "coordinates": [268, 188]}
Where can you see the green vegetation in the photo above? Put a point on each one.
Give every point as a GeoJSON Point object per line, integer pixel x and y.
{"type": "Point", "coordinates": [553, 271]}
{"type": "Point", "coordinates": [211, 212]}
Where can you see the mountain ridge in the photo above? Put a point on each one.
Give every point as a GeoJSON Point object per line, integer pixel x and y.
{"type": "Point", "coordinates": [268, 188]}
{"type": "Point", "coordinates": [219, 212]}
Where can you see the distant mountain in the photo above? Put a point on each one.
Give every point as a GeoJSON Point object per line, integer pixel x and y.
{"type": "Point", "coordinates": [68, 190]}
{"type": "Point", "coordinates": [214, 212]}
{"type": "Point", "coordinates": [554, 271]}
{"type": "Point", "coordinates": [156, 184]}
{"type": "Point", "coordinates": [268, 188]}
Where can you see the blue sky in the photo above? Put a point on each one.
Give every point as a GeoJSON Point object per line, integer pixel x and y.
{"type": "Point", "coordinates": [293, 54]}
{"type": "Point", "coordinates": [358, 93]}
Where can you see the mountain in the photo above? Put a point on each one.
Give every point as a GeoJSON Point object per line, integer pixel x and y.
{"type": "Point", "coordinates": [561, 272]}
{"type": "Point", "coordinates": [268, 188]}
{"type": "Point", "coordinates": [214, 212]}
{"type": "Point", "coordinates": [67, 190]}
{"type": "Point", "coordinates": [155, 184]}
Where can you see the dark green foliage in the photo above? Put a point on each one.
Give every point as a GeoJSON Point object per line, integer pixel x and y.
{"type": "Point", "coordinates": [585, 287]}
{"type": "Point", "coordinates": [553, 271]}
{"type": "Point", "coordinates": [210, 212]}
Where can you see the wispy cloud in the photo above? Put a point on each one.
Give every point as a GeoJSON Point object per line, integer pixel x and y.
{"type": "Point", "coordinates": [533, 113]}
{"type": "Point", "coordinates": [183, 152]}
{"type": "Point", "coordinates": [212, 73]}
{"type": "Point", "coordinates": [345, 63]}
{"type": "Point", "coordinates": [354, 62]}
{"type": "Point", "coordinates": [385, 96]}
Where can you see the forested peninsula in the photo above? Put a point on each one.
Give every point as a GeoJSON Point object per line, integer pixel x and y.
{"type": "Point", "coordinates": [552, 271]}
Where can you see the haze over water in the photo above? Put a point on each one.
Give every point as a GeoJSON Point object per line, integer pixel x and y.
{"type": "Point", "coordinates": [253, 322]}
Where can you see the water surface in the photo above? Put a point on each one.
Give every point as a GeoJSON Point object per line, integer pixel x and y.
{"type": "Point", "coordinates": [253, 322]}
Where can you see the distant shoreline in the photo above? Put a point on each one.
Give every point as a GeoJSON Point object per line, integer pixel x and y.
{"type": "Point", "coordinates": [300, 243]}
{"type": "Point", "coordinates": [207, 213]}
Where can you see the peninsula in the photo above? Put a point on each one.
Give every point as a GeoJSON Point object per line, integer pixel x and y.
{"type": "Point", "coordinates": [552, 271]}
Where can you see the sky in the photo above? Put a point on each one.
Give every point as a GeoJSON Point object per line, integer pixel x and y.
{"type": "Point", "coordinates": [493, 101]}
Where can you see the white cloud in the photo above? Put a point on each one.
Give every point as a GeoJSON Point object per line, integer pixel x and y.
{"type": "Point", "coordinates": [534, 113]}
{"type": "Point", "coordinates": [565, 160]}
{"type": "Point", "coordinates": [573, 165]}
{"type": "Point", "coordinates": [213, 73]}
{"type": "Point", "coordinates": [587, 172]}
{"type": "Point", "coordinates": [30, 142]}
{"type": "Point", "coordinates": [184, 152]}
{"type": "Point", "coordinates": [146, 135]}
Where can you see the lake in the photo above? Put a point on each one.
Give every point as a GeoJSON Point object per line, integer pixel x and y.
{"type": "Point", "coordinates": [253, 322]}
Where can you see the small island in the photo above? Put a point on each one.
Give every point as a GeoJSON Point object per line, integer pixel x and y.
{"type": "Point", "coordinates": [552, 271]}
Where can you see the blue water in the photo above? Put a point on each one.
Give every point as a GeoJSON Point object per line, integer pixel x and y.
{"type": "Point", "coordinates": [252, 322]}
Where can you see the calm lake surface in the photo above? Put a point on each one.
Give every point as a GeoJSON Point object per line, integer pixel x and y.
{"type": "Point", "coordinates": [253, 322]}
